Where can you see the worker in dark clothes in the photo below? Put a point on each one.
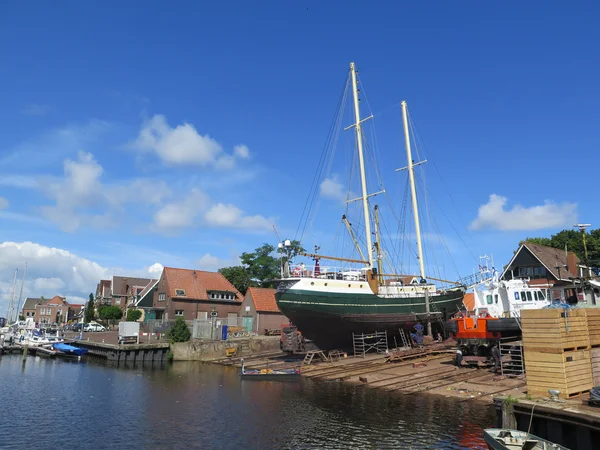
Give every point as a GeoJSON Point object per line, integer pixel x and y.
{"type": "Point", "coordinates": [459, 357]}
{"type": "Point", "coordinates": [419, 328]}
{"type": "Point", "coordinates": [496, 358]}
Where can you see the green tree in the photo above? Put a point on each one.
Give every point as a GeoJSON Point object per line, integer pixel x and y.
{"type": "Point", "coordinates": [111, 313]}
{"type": "Point", "coordinates": [133, 315]}
{"type": "Point", "coordinates": [261, 266]}
{"type": "Point", "coordinates": [239, 277]}
{"type": "Point", "coordinates": [179, 332]}
{"type": "Point", "coordinates": [89, 310]}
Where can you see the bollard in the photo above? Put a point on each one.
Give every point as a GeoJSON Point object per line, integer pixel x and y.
{"type": "Point", "coordinates": [24, 352]}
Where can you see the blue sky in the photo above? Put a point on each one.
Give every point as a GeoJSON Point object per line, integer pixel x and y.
{"type": "Point", "coordinates": [178, 134]}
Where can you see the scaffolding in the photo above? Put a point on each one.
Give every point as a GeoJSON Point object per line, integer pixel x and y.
{"type": "Point", "coordinates": [369, 342]}
{"type": "Point", "coordinates": [511, 359]}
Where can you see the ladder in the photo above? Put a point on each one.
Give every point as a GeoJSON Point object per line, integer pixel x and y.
{"type": "Point", "coordinates": [405, 342]}
{"type": "Point", "coordinates": [511, 359]}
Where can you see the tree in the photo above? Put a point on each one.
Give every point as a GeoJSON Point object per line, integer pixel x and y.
{"type": "Point", "coordinates": [133, 315]}
{"type": "Point", "coordinates": [179, 332]}
{"type": "Point", "coordinates": [261, 266]}
{"type": "Point", "coordinates": [89, 310]}
{"type": "Point", "coordinates": [239, 277]}
{"type": "Point", "coordinates": [111, 313]}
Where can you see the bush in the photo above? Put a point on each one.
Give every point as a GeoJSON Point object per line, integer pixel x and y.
{"type": "Point", "coordinates": [179, 332]}
{"type": "Point", "coordinates": [133, 315]}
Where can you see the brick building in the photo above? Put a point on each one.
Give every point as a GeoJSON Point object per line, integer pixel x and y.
{"type": "Point", "coordinates": [260, 304]}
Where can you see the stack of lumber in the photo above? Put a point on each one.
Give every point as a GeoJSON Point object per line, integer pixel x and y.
{"type": "Point", "coordinates": [593, 323]}
{"type": "Point", "coordinates": [556, 345]}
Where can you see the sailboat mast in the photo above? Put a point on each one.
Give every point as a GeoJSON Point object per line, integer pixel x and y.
{"type": "Point", "coordinates": [361, 160]}
{"type": "Point", "coordinates": [378, 245]}
{"type": "Point", "coordinates": [12, 298]}
{"type": "Point", "coordinates": [413, 190]}
{"type": "Point", "coordinates": [21, 292]}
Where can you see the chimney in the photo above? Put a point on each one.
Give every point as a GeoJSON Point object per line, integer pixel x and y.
{"type": "Point", "coordinates": [572, 264]}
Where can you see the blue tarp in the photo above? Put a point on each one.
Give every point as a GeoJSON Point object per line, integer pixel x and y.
{"type": "Point", "coordinates": [69, 349]}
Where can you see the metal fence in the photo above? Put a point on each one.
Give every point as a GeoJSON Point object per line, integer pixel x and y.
{"type": "Point", "coordinates": [211, 329]}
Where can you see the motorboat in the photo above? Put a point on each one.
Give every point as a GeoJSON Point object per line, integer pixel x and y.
{"type": "Point", "coordinates": [508, 439]}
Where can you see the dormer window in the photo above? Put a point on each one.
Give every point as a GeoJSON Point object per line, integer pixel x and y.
{"type": "Point", "coordinates": [180, 292]}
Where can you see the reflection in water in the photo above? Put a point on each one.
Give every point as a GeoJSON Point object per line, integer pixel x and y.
{"type": "Point", "coordinates": [194, 405]}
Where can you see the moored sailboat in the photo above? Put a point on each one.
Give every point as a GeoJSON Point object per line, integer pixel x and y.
{"type": "Point", "coordinates": [329, 307]}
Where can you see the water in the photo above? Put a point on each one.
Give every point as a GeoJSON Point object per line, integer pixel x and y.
{"type": "Point", "coordinates": [55, 404]}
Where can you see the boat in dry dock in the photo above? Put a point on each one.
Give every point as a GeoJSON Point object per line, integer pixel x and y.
{"type": "Point", "coordinates": [328, 306]}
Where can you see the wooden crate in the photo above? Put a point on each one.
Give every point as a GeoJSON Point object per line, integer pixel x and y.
{"type": "Point", "coordinates": [555, 330]}
{"type": "Point", "coordinates": [595, 354]}
{"type": "Point", "coordinates": [593, 321]}
{"type": "Point", "coordinates": [570, 372]}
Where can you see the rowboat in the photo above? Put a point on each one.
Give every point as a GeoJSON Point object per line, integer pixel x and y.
{"type": "Point", "coordinates": [507, 439]}
{"type": "Point", "coordinates": [268, 373]}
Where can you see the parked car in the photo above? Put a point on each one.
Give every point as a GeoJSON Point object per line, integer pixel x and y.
{"type": "Point", "coordinates": [77, 326]}
{"type": "Point", "coordinates": [93, 327]}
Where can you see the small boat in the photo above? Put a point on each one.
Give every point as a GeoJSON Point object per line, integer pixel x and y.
{"type": "Point", "coordinates": [69, 351]}
{"type": "Point", "coordinates": [269, 374]}
{"type": "Point", "coordinates": [507, 439]}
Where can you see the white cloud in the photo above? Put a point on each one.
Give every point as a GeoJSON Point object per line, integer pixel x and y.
{"type": "Point", "coordinates": [36, 109]}
{"type": "Point", "coordinates": [155, 270]}
{"type": "Point", "coordinates": [494, 215]}
{"type": "Point", "coordinates": [81, 198]}
{"type": "Point", "coordinates": [54, 271]}
{"type": "Point", "coordinates": [183, 145]}
{"type": "Point", "coordinates": [19, 181]}
{"type": "Point", "coordinates": [213, 263]}
{"type": "Point", "coordinates": [241, 151]}
{"type": "Point", "coordinates": [333, 189]}
{"type": "Point", "coordinates": [230, 216]}
{"type": "Point", "coordinates": [181, 214]}
{"type": "Point", "coordinates": [3, 203]}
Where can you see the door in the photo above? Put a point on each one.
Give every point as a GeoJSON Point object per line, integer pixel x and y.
{"type": "Point", "coordinates": [248, 324]}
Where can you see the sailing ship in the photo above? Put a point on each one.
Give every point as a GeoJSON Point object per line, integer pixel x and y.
{"type": "Point", "coordinates": [329, 308]}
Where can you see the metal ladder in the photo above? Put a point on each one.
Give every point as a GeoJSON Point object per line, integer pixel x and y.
{"type": "Point", "coordinates": [405, 342]}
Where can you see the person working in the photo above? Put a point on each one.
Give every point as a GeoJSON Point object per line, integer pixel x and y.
{"type": "Point", "coordinates": [459, 357]}
{"type": "Point", "coordinates": [419, 328]}
{"type": "Point", "coordinates": [496, 358]}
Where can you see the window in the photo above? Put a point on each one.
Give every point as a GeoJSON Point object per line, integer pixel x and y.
{"type": "Point", "coordinates": [496, 298]}
{"type": "Point", "coordinates": [180, 292]}
{"type": "Point", "coordinates": [203, 315]}
{"type": "Point", "coordinates": [117, 301]}
{"type": "Point", "coordinates": [161, 297]}
{"type": "Point", "coordinates": [179, 312]}
{"type": "Point", "coordinates": [542, 295]}
{"type": "Point", "coordinates": [523, 297]}
{"type": "Point", "coordinates": [535, 297]}
{"type": "Point", "coordinates": [516, 296]}
{"type": "Point", "coordinates": [529, 297]}
{"type": "Point", "coordinates": [488, 299]}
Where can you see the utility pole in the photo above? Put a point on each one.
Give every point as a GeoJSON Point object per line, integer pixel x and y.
{"type": "Point", "coordinates": [582, 227]}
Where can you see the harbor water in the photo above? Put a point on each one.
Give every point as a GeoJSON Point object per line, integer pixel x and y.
{"type": "Point", "coordinates": [59, 404]}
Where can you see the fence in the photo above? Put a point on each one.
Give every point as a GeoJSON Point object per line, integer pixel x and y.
{"type": "Point", "coordinates": [211, 329]}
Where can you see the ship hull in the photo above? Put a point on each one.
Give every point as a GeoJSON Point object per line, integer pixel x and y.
{"type": "Point", "coordinates": [329, 317]}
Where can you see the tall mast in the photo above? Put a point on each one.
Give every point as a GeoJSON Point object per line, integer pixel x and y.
{"type": "Point", "coordinates": [12, 298]}
{"type": "Point", "coordinates": [21, 293]}
{"type": "Point", "coordinates": [413, 190]}
{"type": "Point", "coordinates": [378, 245]}
{"type": "Point", "coordinates": [361, 161]}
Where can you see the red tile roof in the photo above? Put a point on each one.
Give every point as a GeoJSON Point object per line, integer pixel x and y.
{"type": "Point", "coordinates": [197, 283]}
{"type": "Point", "coordinates": [56, 300]}
{"type": "Point", "coordinates": [264, 299]}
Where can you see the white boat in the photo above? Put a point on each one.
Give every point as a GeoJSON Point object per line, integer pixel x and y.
{"type": "Point", "coordinates": [508, 439]}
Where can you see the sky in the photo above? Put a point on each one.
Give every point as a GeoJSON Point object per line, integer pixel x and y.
{"type": "Point", "coordinates": [140, 136]}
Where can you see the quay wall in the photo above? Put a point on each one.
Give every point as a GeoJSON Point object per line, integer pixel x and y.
{"type": "Point", "coordinates": [203, 350]}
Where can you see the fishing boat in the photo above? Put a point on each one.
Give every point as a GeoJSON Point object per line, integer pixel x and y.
{"type": "Point", "coordinates": [69, 351]}
{"type": "Point", "coordinates": [328, 307]}
{"type": "Point", "coordinates": [268, 373]}
{"type": "Point", "coordinates": [507, 439]}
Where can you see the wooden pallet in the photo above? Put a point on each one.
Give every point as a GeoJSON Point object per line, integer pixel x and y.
{"type": "Point", "coordinates": [555, 330]}
{"type": "Point", "coordinates": [595, 355]}
{"type": "Point", "coordinates": [593, 321]}
{"type": "Point", "coordinates": [569, 372]}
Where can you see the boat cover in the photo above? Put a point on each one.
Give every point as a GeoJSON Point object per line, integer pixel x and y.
{"type": "Point", "coordinates": [66, 348]}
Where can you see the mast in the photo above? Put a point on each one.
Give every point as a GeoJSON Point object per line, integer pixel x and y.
{"type": "Point", "coordinates": [12, 297]}
{"type": "Point", "coordinates": [21, 293]}
{"type": "Point", "coordinates": [413, 190]}
{"type": "Point", "coordinates": [378, 245]}
{"type": "Point", "coordinates": [413, 194]}
{"type": "Point", "coordinates": [361, 160]}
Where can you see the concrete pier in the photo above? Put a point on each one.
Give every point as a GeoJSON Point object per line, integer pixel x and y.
{"type": "Point", "coordinates": [130, 354]}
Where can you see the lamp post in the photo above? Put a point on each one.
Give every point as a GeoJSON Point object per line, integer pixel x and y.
{"type": "Point", "coordinates": [285, 248]}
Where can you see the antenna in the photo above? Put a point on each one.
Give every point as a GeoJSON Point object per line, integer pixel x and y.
{"type": "Point", "coordinates": [276, 233]}
{"type": "Point", "coordinates": [582, 226]}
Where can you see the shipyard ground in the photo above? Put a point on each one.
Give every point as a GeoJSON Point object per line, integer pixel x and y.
{"type": "Point", "coordinates": [430, 370]}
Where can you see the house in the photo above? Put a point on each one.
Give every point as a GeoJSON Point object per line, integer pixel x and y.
{"type": "Point", "coordinates": [557, 270]}
{"type": "Point", "coordinates": [121, 291]}
{"type": "Point", "coordinates": [190, 294]}
{"type": "Point", "coordinates": [260, 305]}
{"type": "Point", "coordinates": [56, 310]}
{"type": "Point", "coordinates": [29, 307]}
